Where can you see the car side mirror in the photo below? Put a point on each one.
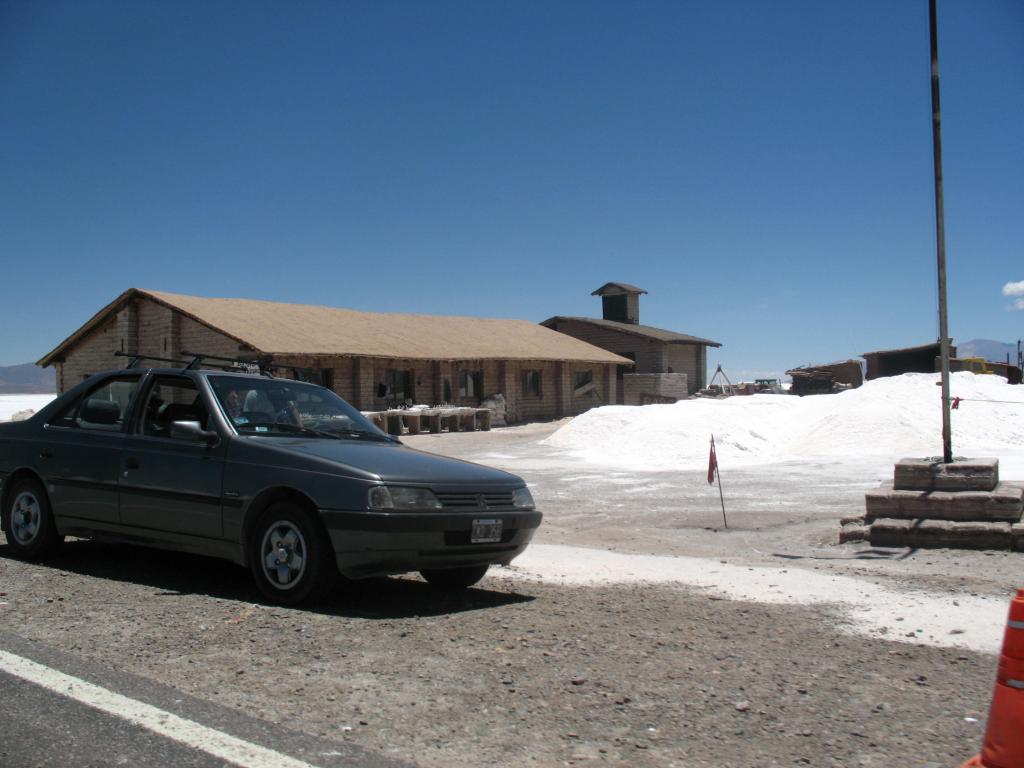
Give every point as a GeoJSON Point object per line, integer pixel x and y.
{"type": "Point", "coordinates": [192, 430]}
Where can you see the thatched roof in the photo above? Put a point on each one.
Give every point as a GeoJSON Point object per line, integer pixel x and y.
{"type": "Point", "coordinates": [646, 331]}
{"type": "Point", "coordinates": [275, 328]}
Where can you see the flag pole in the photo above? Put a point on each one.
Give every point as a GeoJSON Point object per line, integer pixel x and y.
{"type": "Point", "coordinates": [718, 474]}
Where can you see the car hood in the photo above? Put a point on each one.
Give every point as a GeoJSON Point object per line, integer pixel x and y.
{"type": "Point", "coordinates": [394, 463]}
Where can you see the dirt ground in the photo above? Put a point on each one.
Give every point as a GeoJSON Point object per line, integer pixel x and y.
{"type": "Point", "coordinates": [514, 673]}
{"type": "Point", "coordinates": [519, 671]}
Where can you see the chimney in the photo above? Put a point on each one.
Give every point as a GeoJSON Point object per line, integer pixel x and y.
{"type": "Point", "coordinates": [620, 302]}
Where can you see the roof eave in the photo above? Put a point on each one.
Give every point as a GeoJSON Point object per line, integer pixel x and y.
{"type": "Point", "coordinates": [116, 305]}
{"type": "Point", "coordinates": [611, 359]}
{"type": "Point", "coordinates": [626, 328]}
{"type": "Point", "coordinates": [97, 319]}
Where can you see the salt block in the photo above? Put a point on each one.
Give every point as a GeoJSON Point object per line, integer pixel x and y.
{"type": "Point", "coordinates": [412, 422]}
{"type": "Point", "coordinates": [936, 475]}
{"type": "Point", "coordinates": [483, 419]}
{"type": "Point", "coordinates": [940, 533]}
{"type": "Point", "coordinates": [1017, 533]}
{"type": "Point", "coordinates": [853, 532]}
{"type": "Point", "coordinates": [1004, 503]}
{"type": "Point", "coordinates": [394, 423]}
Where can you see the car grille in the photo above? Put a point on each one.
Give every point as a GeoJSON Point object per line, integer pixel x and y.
{"type": "Point", "coordinates": [493, 500]}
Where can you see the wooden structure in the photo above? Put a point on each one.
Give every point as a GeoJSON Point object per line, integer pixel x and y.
{"type": "Point", "coordinates": [374, 360]}
{"type": "Point", "coordinates": [823, 379]}
{"type": "Point", "coordinates": [653, 350]}
{"type": "Point", "coordinates": [894, 362]}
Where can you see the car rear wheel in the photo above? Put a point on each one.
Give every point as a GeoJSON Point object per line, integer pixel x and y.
{"type": "Point", "coordinates": [28, 521]}
{"type": "Point", "coordinates": [290, 556]}
{"type": "Point", "coordinates": [455, 578]}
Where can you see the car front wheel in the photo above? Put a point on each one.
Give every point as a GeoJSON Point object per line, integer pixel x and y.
{"type": "Point", "coordinates": [454, 578]}
{"type": "Point", "coordinates": [290, 556]}
{"type": "Point", "coordinates": [28, 521]}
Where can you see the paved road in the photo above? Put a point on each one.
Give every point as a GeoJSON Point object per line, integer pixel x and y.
{"type": "Point", "coordinates": [59, 710]}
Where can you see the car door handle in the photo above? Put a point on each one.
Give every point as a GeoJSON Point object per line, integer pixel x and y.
{"type": "Point", "coordinates": [46, 453]}
{"type": "Point", "coordinates": [131, 463]}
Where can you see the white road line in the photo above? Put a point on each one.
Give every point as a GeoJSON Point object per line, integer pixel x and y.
{"type": "Point", "coordinates": [192, 734]}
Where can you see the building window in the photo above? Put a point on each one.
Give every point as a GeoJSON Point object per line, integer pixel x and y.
{"type": "Point", "coordinates": [471, 384]}
{"type": "Point", "coordinates": [326, 378]}
{"type": "Point", "coordinates": [531, 384]}
{"type": "Point", "coordinates": [583, 378]}
{"type": "Point", "coordinates": [399, 385]}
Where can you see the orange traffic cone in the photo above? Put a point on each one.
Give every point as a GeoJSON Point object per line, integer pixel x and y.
{"type": "Point", "coordinates": [1004, 737]}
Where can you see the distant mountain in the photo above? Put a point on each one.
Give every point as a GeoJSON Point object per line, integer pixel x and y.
{"type": "Point", "coordinates": [27, 379]}
{"type": "Point", "coordinates": [995, 351]}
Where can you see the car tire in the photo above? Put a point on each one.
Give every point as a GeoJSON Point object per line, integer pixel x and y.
{"type": "Point", "coordinates": [28, 521]}
{"type": "Point", "coordinates": [454, 578]}
{"type": "Point", "coordinates": [290, 555]}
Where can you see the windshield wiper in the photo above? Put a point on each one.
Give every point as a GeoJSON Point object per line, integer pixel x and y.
{"type": "Point", "coordinates": [364, 433]}
{"type": "Point", "coordinates": [294, 429]}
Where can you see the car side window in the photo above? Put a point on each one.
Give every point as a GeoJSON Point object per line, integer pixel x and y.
{"type": "Point", "coordinates": [103, 408]}
{"type": "Point", "coordinates": [170, 399]}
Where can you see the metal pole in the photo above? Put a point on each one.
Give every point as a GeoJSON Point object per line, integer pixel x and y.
{"type": "Point", "coordinates": [940, 235]}
{"type": "Point", "coordinates": [718, 474]}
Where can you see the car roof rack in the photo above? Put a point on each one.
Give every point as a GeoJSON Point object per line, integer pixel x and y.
{"type": "Point", "coordinates": [265, 364]}
{"type": "Point", "coordinates": [245, 365]}
{"type": "Point", "coordinates": [136, 359]}
{"type": "Point", "coordinates": [226, 364]}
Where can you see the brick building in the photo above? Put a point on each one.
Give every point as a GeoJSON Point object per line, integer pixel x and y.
{"type": "Point", "coordinates": [369, 358]}
{"type": "Point", "coordinates": [668, 364]}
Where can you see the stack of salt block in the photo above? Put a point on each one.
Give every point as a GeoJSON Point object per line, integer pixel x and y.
{"type": "Point", "coordinates": [934, 504]}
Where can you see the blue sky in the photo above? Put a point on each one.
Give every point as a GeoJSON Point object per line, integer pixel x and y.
{"type": "Point", "coordinates": [763, 169]}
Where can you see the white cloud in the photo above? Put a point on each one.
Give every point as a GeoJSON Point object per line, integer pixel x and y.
{"type": "Point", "coordinates": [1018, 304]}
{"type": "Point", "coordinates": [1014, 289]}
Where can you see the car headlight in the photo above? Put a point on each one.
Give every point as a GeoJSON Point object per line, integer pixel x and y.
{"type": "Point", "coordinates": [391, 497]}
{"type": "Point", "coordinates": [522, 499]}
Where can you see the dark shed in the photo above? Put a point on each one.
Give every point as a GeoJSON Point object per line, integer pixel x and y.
{"type": "Point", "coordinates": [893, 362]}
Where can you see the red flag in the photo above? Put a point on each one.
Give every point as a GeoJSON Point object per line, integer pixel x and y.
{"type": "Point", "coordinates": [712, 463]}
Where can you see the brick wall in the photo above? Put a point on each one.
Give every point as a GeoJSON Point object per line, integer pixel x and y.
{"type": "Point", "coordinates": [157, 330]}
{"type": "Point", "coordinates": [648, 352]}
{"type": "Point", "coordinates": [603, 392]}
{"type": "Point", "coordinates": [93, 354]}
{"type": "Point", "coordinates": [690, 359]}
{"type": "Point", "coordinates": [195, 337]}
{"type": "Point", "coordinates": [637, 388]}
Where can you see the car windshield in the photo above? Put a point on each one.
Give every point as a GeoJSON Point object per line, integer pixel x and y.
{"type": "Point", "coordinates": [278, 407]}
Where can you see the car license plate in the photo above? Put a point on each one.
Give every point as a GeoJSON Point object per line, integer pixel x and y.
{"type": "Point", "coordinates": [485, 531]}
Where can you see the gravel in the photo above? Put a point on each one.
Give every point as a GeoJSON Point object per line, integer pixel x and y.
{"type": "Point", "coordinates": [514, 672]}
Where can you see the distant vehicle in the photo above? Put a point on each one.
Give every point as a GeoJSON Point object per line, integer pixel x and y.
{"type": "Point", "coordinates": [975, 364]}
{"type": "Point", "coordinates": [281, 476]}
